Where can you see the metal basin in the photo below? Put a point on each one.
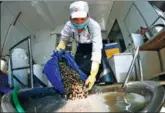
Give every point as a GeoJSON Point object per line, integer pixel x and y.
{"type": "Point", "coordinates": [152, 91]}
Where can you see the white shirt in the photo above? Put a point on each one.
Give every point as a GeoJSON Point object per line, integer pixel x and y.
{"type": "Point", "coordinates": [92, 36]}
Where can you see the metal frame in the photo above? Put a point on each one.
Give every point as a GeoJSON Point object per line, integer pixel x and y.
{"type": "Point", "coordinates": [136, 56]}
{"type": "Point", "coordinates": [28, 39]}
{"type": "Point", "coordinates": [158, 51]}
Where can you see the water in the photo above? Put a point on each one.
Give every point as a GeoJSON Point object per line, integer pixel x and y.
{"type": "Point", "coordinates": [54, 103]}
{"type": "Point", "coordinates": [93, 103]}
{"type": "Point", "coordinates": [107, 102]}
{"type": "Point", "coordinates": [43, 104]}
{"type": "Point", "coordinates": [122, 102]}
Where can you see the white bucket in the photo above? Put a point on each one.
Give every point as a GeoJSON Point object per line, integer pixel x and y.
{"type": "Point", "coordinates": [138, 39]}
{"type": "Point", "coordinates": [3, 65]}
{"type": "Point", "coordinates": [37, 68]}
{"type": "Point", "coordinates": [19, 59]}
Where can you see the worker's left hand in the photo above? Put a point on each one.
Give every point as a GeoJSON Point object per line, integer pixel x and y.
{"type": "Point", "coordinates": [92, 77]}
{"type": "Point", "coordinates": [90, 82]}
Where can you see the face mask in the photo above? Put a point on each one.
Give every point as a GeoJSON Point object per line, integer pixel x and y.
{"type": "Point", "coordinates": [80, 26]}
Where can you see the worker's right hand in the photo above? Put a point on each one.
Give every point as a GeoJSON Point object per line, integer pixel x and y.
{"type": "Point", "coordinates": [61, 46]}
{"type": "Point", "coordinates": [92, 77]}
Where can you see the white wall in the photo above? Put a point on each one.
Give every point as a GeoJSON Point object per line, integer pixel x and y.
{"type": "Point", "coordinates": [18, 32]}
{"type": "Point", "coordinates": [130, 20]}
{"type": "Point", "coordinates": [43, 46]}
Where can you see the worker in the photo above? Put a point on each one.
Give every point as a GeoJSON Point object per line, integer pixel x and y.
{"type": "Point", "coordinates": [87, 34]}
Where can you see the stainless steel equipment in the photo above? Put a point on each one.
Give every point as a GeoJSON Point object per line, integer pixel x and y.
{"type": "Point", "coordinates": [152, 91]}
{"type": "Point", "coordinates": [154, 30]}
{"type": "Point", "coordinates": [28, 39]}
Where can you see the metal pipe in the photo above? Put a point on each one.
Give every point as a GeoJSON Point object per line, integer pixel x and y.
{"type": "Point", "coordinates": [11, 63]}
{"type": "Point", "coordinates": [21, 68]}
{"type": "Point", "coordinates": [155, 21]}
{"type": "Point", "coordinates": [6, 37]}
{"type": "Point", "coordinates": [28, 39]}
{"type": "Point", "coordinates": [11, 67]}
{"type": "Point", "coordinates": [131, 67]}
{"type": "Point", "coordinates": [141, 69]}
{"type": "Point", "coordinates": [19, 43]}
{"type": "Point", "coordinates": [9, 29]}
{"type": "Point", "coordinates": [19, 81]}
{"type": "Point", "coordinates": [17, 18]}
{"type": "Point", "coordinates": [160, 60]}
{"type": "Point", "coordinates": [31, 61]}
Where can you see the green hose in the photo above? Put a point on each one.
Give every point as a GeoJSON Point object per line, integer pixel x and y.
{"type": "Point", "coordinates": [16, 101]}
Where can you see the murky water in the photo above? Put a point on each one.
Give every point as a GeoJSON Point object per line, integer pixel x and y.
{"type": "Point", "coordinates": [42, 104]}
{"type": "Point", "coordinates": [113, 102]}
{"type": "Point", "coordinates": [122, 102]}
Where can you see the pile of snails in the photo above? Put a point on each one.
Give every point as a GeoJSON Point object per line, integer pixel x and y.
{"type": "Point", "coordinates": [73, 84]}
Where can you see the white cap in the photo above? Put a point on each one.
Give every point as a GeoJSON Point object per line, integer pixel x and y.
{"type": "Point", "coordinates": [79, 9]}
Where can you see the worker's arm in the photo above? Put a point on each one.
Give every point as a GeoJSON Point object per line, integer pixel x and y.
{"type": "Point", "coordinates": [92, 77]}
{"type": "Point", "coordinates": [96, 56]}
{"type": "Point", "coordinates": [65, 36]}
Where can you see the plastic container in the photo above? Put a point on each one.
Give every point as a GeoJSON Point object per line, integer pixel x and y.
{"type": "Point", "coordinates": [19, 59]}
{"type": "Point", "coordinates": [111, 49]}
{"type": "Point", "coordinates": [3, 65]}
{"type": "Point", "coordinates": [120, 64]}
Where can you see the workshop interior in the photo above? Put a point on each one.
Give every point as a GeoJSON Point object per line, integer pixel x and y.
{"type": "Point", "coordinates": [82, 56]}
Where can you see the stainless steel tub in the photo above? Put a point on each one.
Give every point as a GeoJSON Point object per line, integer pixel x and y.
{"type": "Point", "coordinates": [150, 90]}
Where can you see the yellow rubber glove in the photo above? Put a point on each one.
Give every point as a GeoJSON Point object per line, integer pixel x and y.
{"type": "Point", "coordinates": [61, 46]}
{"type": "Point", "coordinates": [92, 77]}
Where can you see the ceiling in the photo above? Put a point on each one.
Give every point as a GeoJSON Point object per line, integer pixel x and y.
{"type": "Point", "coordinates": [39, 15]}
